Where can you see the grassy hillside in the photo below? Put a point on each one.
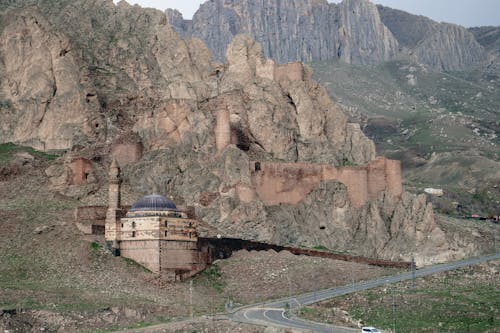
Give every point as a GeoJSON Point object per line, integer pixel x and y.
{"type": "Point", "coordinates": [464, 300]}
{"type": "Point", "coordinates": [443, 126]}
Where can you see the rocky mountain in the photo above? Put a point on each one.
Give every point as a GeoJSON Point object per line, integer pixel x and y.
{"type": "Point", "coordinates": [354, 31]}
{"type": "Point", "coordinates": [302, 30]}
{"type": "Point", "coordinates": [96, 80]}
{"type": "Point", "coordinates": [489, 38]}
{"type": "Point", "coordinates": [442, 46]}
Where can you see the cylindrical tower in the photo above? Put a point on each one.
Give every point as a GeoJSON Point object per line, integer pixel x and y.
{"type": "Point", "coordinates": [112, 227]}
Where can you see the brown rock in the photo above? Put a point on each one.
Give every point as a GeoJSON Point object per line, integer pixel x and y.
{"type": "Point", "coordinates": [127, 153]}
{"type": "Point", "coordinates": [52, 106]}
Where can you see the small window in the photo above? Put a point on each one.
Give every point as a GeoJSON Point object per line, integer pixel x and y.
{"type": "Point", "coordinates": [165, 224]}
{"type": "Point", "coordinates": [133, 224]}
{"type": "Point", "coordinates": [257, 166]}
{"type": "Point", "coordinates": [190, 224]}
{"type": "Point", "coordinates": [166, 233]}
{"type": "Point", "coordinates": [122, 225]}
{"type": "Point", "coordinates": [133, 233]}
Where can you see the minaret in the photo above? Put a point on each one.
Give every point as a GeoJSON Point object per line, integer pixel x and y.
{"type": "Point", "coordinates": [112, 228]}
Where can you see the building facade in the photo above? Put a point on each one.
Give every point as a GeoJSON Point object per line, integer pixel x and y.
{"type": "Point", "coordinates": [153, 233]}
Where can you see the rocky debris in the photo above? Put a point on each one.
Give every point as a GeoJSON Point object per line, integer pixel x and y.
{"type": "Point", "coordinates": [42, 229]}
{"type": "Point", "coordinates": [9, 171]}
{"type": "Point", "coordinates": [282, 274]}
{"type": "Point", "coordinates": [24, 157]}
{"type": "Point", "coordinates": [74, 176]}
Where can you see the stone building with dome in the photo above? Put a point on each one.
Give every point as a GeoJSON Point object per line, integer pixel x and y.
{"type": "Point", "coordinates": [153, 233]}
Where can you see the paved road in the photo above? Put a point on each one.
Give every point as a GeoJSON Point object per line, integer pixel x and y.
{"type": "Point", "coordinates": [274, 313]}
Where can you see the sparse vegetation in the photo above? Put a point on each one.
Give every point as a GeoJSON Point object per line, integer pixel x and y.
{"type": "Point", "coordinates": [7, 150]}
{"type": "Point", "coordinates": [211, 277]}
{"type": "Point", "coordinates": [443, 127]}
{"type": "Point", "coordinates": [132, 264]}
{"type": "Point", "coordinates": [465, 300]}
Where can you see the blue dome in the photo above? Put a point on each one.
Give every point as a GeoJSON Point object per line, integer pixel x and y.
{"type": "Point", "coordinates": [153, 202]}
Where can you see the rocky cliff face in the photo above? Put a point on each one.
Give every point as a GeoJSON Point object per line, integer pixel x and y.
{"type": "Point", "coordinates": [48, 101]}
{"type": "Point", "coordinates": [125, 69]}
{"type": "Point", "coordinates": [304, 30]}
{"type": "Point", "coordinates": [489, 38]}
{"type": "Point", "coordinates": [442, 46]}
{"type": "Point", "coordinates": [354, 31]}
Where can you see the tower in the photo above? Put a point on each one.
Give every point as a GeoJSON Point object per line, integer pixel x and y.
{"type": "Point", "coordinates": [112, 227]}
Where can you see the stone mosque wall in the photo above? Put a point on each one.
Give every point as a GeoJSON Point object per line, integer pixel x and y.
{"type": "Point", "coordinates": [144, 252]}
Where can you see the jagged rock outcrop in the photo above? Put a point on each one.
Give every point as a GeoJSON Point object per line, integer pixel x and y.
{"type": "Point", "coordinates": [393, 229]}
{"type": "Point", "coordinates": [354, 31]}
{"type": "Point", "coordinates": [48, 101]}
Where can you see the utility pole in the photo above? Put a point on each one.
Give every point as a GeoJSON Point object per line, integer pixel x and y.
{"type": "Point", "coordinates": [289, 286]}
{"type": "Point", "coordinates": [393, 310]}
{"type": "Point", "coordinates": [413, 271]}
{"type": "Point", "coordinates": [495, 243]}
{"type": "Point", "coordinates": [191, 314]}
{"type": "Point", "coordinates": [315, 275]}
{"type": "Point", "coordinates": [352, 273]}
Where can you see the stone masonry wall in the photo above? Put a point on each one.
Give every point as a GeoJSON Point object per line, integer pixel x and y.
{"type": "Point", "coordinates": [356, 182]}
{"type": "Point", "coordinates": [393, 177]}
{"type": "Point", "coordinates": [179, 256]}
{"type": "Point", "coordinates": [289, 183]}
{"type": "Point", "coordinates": [144, 252]}
{"type": "Point", "coordinates": [90, 213]}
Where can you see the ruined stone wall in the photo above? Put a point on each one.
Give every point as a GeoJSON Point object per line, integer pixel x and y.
{"type": "Point", "coordinates": [356, 181]}
{"type": "Point", "coordinates": [79, 169]}
{"type": "Point", "coordinates": [144, 252]}
{"type": "Point", "coordinates": [90, 213]}
{"type": "Point", "coordinates": [293, 71]}
{"type": "Point", "coordinates": [290, 183]}
{"type": "Point", "coordinates": [127, 153]}
{"type": "Point", "coordinates": [376, 177]}
{"type": "Point", "coordinates": [91, 219]}
{"type": "Point", "coordinates": [222, 129]}
{"type": "Point", "coordinates": [393, 177]}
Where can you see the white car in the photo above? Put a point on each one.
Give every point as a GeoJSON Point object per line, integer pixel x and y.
{"type": "Point", "coordinates": [370, 329]}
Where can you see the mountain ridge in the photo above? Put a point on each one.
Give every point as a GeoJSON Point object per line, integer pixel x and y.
{"type": "Point", "coordinates": [354, 31]}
